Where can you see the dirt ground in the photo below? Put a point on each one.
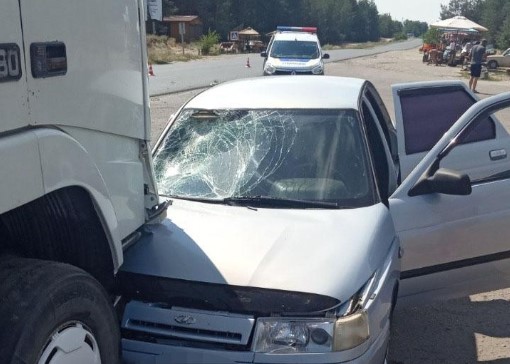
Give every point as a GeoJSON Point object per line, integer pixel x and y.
{"type": "Point", "coordinates": [406, 66]}
{"type": "Point", "coordinates": [474, 329]}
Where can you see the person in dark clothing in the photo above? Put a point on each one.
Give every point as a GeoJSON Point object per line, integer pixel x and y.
{"type": "Point", "coordinates": [477, 56]}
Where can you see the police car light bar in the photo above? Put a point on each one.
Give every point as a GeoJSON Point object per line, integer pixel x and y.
{"type": "Point", "coordinates": [296, 29]}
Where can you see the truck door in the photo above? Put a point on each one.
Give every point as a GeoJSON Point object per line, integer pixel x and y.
{"type": "Point", "coordinates": [454, 244]}
{"type": "Point", "coordinates": [86, 59]}
{"type": "Point", "coordinates": [13, 88]}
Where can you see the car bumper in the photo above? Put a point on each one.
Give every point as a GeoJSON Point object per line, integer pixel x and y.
{"type": "Point", "coordinates": [287, 72]}
{"type": "Point", "coordinates": [137, 352]}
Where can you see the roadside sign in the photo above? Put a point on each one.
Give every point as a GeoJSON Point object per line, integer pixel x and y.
{"type": "Point", "coordinates": [234, 35]}
{"type": "Point", "coordinates": [182, 28]}
{"type": "Point", "coordinates": [154, 9]}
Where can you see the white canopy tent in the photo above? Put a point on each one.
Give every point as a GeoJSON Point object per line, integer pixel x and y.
{"type": "Point", "coordinates": [459, 23]}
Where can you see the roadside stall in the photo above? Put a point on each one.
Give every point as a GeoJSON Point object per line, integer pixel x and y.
{"type": "Point", "coordinates": [249, 40]}
{"type": "Point", "coordinates": [458, 35]}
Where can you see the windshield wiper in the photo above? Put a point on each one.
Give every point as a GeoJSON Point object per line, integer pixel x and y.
{"type": "Point", "coordinates": [261, 201]}
{"type": "Point", "coordinates": [268, 201]}
{"type": "Point", "coordinates": [195, 199]}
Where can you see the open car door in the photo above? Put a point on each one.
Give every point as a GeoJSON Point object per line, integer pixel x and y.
{"type": "Point", "coordinates": [452, 212]}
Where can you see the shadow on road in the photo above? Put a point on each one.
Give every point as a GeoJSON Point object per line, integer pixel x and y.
{"type": "Point", "coordinates": [451, 332]}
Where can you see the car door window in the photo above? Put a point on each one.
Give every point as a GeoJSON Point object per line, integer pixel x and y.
{"type": "Point", "coordinates": [490, 161]}
{"type": "Point", "coordinates": [429, 113]}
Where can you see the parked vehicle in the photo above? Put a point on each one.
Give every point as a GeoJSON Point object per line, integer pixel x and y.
{"type": "Point", "coordinates": [298, 218]}
{"type": "Point", "coordinates": [500, 60]}
{"type": "Point", "coordinates": [294, 51]}
{"type": "Point", "coordinates": [75, 171]}
{"type": "Point", "coordinates": [256, 46]}
{"type": "Point", "coordinates": [490, 50]}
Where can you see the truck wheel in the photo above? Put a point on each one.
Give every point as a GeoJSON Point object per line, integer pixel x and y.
{"type": "Point", "coordinates": [54, 313]}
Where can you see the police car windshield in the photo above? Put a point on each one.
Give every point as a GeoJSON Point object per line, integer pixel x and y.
{"type": "Point", "coordinates": [312, 155]}
{"type": "Point", "coordinates": [296, 49]}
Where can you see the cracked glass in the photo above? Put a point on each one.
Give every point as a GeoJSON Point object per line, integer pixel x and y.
{"type": "Point", "coordinates": [316, 155]}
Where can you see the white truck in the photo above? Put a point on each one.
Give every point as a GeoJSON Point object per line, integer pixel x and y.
{"type": "Point", "coordinates": [75, 171]}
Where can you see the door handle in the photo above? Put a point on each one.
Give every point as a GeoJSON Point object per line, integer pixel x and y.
{"type": "Point", "coordinates": [497, 154]}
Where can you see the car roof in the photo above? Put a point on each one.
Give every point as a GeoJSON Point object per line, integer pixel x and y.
{"type": "Point", "coordinates": [282, 92]}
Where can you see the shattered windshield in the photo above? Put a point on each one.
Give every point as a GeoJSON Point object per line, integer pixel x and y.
{"type": "Point", "coordinates": [295, 49]}
{"type": "Point", "coordinates": [313, 155]}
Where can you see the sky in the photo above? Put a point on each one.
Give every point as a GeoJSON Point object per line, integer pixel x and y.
{"type": "Point", "coordinates": [422, 10]}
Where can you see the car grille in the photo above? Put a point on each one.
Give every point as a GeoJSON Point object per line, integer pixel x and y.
{"type": "Point", "coordinates": [187, 324]}
{"type": "Point", "coordinates": [292, 72]}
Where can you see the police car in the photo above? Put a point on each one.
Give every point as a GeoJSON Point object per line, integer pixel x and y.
{"type": "Point", "coordinates": [294, 51]}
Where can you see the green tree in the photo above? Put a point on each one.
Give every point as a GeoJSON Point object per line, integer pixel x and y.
{"type": "Point", "coordinates": [495, 13]}
{"type": "Point", "coordinates": [471, 9]}
{"type": "Point", "coordinates": [386, 26]}
{"type": "Point", "coordinates": [367, 25]}
{"type": "Point", "coordinates": [417, 28]}
{"type": "Point", "coordinates": [207, 41]}
{"type": "Point", "coordinates": [503, 39]}
{"type": "Point", "coordinates": [169, 8]}
{"type": "Point", "coordinates": [432, 36]}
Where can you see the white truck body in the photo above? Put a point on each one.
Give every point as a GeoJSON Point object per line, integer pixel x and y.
{"type": "Point", "coordinates": [85, 127]}
{"type": "Point", "coordinates": [75, 171]}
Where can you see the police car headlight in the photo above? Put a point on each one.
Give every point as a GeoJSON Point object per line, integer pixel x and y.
{"type": "Point", "coordinates": [269, 69]}
{"type": "Point", "coordinates": [294, 335]}
{"type": "Point", "coordinates": [318, 70]}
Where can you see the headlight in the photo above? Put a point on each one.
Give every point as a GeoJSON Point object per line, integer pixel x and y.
{"type": "Point", "coordinates": [351, 331]}
{"type": "Point", "coordinates": [287, 335]}
{"type": "Point", "coordinates": [318, 70]}
{"type": "Point", "coordinates": [269, 69]}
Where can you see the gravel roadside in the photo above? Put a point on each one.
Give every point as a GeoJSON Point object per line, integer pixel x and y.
{"type": "Point", "coordinates": [467, 330]}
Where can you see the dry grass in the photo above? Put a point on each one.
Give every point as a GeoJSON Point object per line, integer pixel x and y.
{"type": "Point", "coordinates": [162, 49]}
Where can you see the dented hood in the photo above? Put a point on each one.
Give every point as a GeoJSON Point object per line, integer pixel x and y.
{"type": "Point", "coordinates": [327, 252]}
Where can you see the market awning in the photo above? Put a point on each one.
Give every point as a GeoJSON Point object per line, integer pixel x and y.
{"type": "Point", "coordinates": [458, 23]}
{"type": "Point", "coordinates": [249, 31]}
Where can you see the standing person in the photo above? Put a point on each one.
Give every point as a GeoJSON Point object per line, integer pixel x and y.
{"type": "Point", "coordinates": [477, 55]}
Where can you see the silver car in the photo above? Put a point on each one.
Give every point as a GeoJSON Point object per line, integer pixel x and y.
{"type": "Point", "coordinates": [500, 60]}
{"type": "Point", "coordinates": [301, 213]}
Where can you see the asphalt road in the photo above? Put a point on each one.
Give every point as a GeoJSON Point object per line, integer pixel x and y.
{"type": "Point", "coordinates": [471, 329]}
{"type": "Point", "coordinates": [182, 76]}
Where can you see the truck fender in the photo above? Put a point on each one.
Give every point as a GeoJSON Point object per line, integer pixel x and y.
{"type": "Point", "coordinates": [46, 160]}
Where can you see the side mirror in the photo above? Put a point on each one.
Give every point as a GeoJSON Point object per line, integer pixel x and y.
{"type": "Point", "coordinates": [325, 56]}
{"type": "Point", "coordinates": [263, 54]}
{"type": "Point", "coordinates": [443, 181]}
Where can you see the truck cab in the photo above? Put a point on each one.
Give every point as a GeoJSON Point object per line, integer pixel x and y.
{"type": "Point", "coordinates": [76, 174]}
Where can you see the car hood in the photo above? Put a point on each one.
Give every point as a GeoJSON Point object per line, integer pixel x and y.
{"type": "Point", "coordinates": [327, 252]}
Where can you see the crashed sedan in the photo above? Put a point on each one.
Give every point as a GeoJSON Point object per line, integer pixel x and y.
{"type": "Point", "coordinates": [300, 212]}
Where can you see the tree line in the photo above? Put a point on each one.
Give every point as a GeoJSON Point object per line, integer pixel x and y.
{"type": "Point", "coordinates": [338, 21]}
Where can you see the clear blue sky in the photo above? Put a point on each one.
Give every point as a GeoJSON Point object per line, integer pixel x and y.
{"type": "Point", "coordinates": [422, 10]}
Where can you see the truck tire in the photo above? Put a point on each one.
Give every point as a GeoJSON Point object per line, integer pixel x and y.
{"type": "Point", "coordinates": [54, 313]}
